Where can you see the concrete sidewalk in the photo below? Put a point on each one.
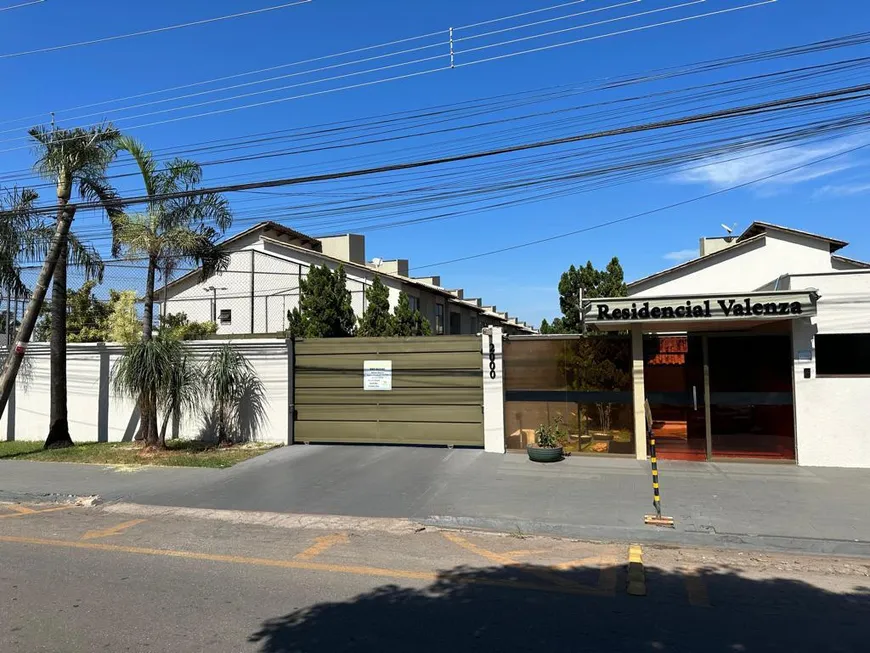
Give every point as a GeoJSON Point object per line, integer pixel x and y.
{"type": "Point", "coordinates": [811, 510]}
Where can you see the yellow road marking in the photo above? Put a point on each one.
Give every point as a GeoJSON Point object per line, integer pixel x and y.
{"type": "Point", "coordinates": [503, 559]}
{"type": "Point", "coordinates": [114, 530]}
{"type": "Point", "coordinates": [24, 510]}
{"type": "Point", "coordinates": [35, 512]}
{"type": "Point", "coordinates": [357, 570]}
{"type": "Point", "coordinates": [321, 544]}
{"type": "Point", "coordinates": [492, 556]}
{"type": "Point", "coordinates": [696, 588]}
{"type": "Point", "coordinates": [636, 585]}
{"type": "Point", "coordinates": [519, 553]}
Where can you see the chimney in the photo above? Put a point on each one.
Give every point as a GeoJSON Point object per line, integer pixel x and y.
{"type": "Point", "coordinates": [349, 247]}
{"type": "Point", "coordinates": [432, 281]}
{"type": "Point", "coordinates": [716, 244]}
{"type": "Point", "coordinates": [396, 266]}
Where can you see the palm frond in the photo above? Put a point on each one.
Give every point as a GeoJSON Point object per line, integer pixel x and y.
{"type": "Point", "coordinates": [19, 223]}
{"type": "Point", "coordinates": [134, 235]}
{"type": "Point", "coordinates": [144, 159]}
{"type": "Point", "coordinates": [65, 155]}
{"type": "Point", "coordinates": [85, 257]}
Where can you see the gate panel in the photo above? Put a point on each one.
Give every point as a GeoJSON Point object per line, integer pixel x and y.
{"type": "Point", "coordinates": [436, 396]}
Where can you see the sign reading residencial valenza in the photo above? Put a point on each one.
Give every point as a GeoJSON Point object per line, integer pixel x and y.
{"type": "Point", "coordinates": [626, 310]}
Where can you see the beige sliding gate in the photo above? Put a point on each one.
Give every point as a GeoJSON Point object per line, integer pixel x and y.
{"type": "Point", "coordinates": [423, 391]}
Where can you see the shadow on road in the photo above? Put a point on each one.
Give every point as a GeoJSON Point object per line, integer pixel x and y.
{"type": "Point", "coordinates": [477, 610]}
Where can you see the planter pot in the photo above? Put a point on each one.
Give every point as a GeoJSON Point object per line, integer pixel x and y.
{"type": "Point", "coordinates": [585, 439]}
{"type": "Point", "coordinates": [602, 437]}
{"type": "Point", "coordinates": [545, 454]}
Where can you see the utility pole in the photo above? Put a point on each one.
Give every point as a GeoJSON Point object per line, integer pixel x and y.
{"type": "Point", "coordinates": [213, 290]}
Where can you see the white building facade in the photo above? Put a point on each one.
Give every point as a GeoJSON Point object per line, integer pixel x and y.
{"type": "Point", "coordinates": [261, 284]}
{"type": "Point", "coordinates": [759, 348]}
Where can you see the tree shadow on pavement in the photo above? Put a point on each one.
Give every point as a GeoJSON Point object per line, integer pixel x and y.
{"type": "Point", "coordinates": [497, 609]}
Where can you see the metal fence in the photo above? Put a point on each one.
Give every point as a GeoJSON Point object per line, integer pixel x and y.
{"type": "Point", "coordinates": [254, 296]}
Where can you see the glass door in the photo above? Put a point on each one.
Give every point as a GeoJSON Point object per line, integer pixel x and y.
{"type": "Point", "coordinates": [751, 400]}
{"type": "Point", "coordinates": [674, 381]}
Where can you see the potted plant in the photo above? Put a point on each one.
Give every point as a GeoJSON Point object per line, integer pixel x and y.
{"type": "Point", "coordinates": [549, 442]}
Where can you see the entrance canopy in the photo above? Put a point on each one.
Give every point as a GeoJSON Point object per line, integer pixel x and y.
{"type": "Point", "coordinates": [718, 311]}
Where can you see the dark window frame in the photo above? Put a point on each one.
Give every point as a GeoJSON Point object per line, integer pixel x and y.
{"type": "Point", "coordinates": [225, 316]}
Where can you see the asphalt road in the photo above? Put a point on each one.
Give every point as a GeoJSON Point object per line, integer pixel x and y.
{"type": "Point", "coordinates": [776, 507]}
{"type": "Point", "coordinates": [97, 579]}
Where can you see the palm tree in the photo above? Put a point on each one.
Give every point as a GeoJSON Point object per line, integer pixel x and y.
{"type": "Point", "coordinates": [25, 236]}
{"type": "Point", "coordinates": [238, 398]}
{"type": "Point", "coordinates": [182, 392]}
{"type": "Point", "coordinates": [166, 233]}
{"type": "Point", "coordinates": [68, 157]}
{"type": "Point", "coordinates": [159, 371]}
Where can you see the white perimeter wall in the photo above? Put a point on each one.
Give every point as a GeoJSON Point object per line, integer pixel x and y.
{"type": "Point", "coordinates": [832, 414]}
{"type": "Point", "coordinates": [97, 414]}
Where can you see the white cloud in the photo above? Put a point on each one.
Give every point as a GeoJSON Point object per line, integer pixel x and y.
{"type": "Point", "coordinates": [681, 255]}
{"type": "Point", "coordinates": [735, 169]}
{"type": "Point", "coordinates": [843, 190]}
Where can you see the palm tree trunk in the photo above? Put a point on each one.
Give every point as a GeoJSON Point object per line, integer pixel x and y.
{"type": "Point", "coordinates": [58, 432]}
{"type": "Point", "coordinates": [151, 435]}
{"type": "Point", "coordinates": [163, 429]}
{"type": "Point", "coordinates": [28, 322]}
{"type": "Point", "coordinates": [148, 310]}
{"type": "Point", "coordinates": [148, 409]}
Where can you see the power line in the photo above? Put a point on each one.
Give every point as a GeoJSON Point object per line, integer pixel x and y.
{"type": "Point", "coordinates": [655, 75]}
{"type": "Point", "coordinates": [619, 33]}
{"type": "Point", "coordinates": [156, 30]}
{"type": "Point", "coordinates": [383, 80]}
{"type": "Point", "coordinates": [645, 213]}
{"type": "Point", "coordinates": [22, 4]}
{"type": "Point", "coordinates": [838, 95]}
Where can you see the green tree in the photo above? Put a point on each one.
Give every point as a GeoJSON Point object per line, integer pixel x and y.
{"type": "Point", "coordinates": [376, 320]}
{"type": "Point", "coordinates": [325, 309]}
{"type": "Point", "coordinates": [168, 232]}
{"type": "Point", "coordinates": [69, 158]}
{"type": "Point", "coordinates": [178, 327]}
{"type": "Point", "coordinates": [123, 324]}
{"type": "Point", "coordinates": [408, 323]}
{"type": "Point", "coordinates": [609, 282]}
{"type": "Point", "coordinates": [238, 399]}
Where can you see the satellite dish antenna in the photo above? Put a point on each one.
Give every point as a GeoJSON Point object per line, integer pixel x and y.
{"type": "Point", "coordinates": [728, 229]}
{"type": "Point", "coordinates": [377, 262]}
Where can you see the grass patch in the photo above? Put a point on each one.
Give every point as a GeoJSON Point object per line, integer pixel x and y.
{"type": "Point", "coordinates": [180, 453]}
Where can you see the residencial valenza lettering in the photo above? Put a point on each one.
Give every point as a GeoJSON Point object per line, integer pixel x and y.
{"type": "Point", "coordinates": [704, 309]}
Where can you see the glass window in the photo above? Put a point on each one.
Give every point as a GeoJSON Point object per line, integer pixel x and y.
{"type": "Point", "coordinates": [414, 303]}
{"type": "Point", "coordinates": [226, 316]}
{"type": "Point", "coordinates": [842, 354]}
{"type": "Point", "coordinates": [439, 319]}
{"type": "Point", "coordinates": [455, 324]}
{"type": "Point", "coordinates": [472, 324]}
{"type": "Point", "coordinates": [585, 381]}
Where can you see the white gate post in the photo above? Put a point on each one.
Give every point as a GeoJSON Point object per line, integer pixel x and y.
{"type": "Point", "coordinates": [493, 390]}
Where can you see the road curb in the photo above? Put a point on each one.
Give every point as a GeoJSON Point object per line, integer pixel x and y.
{"type": "Point", "coordinates": [271, 519]}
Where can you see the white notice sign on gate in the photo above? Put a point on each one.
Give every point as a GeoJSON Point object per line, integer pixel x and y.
{"type": "Point", "coordinates": [377, 375]}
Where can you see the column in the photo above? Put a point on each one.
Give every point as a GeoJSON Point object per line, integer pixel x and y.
{"type": "Point", "coordinates": [638, 391]}
{"type": "Point", "coordinates": [493, 390]}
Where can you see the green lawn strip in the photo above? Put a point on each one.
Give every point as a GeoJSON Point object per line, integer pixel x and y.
{"type": "Point", "coordinates": [181, 453]}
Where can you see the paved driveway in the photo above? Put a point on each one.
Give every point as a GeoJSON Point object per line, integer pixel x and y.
{"type": "Point", "coordinates": [770, 506]}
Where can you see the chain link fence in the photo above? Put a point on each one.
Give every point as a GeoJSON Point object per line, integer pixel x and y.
{"type": "Point", "coordinates": [253, 296]}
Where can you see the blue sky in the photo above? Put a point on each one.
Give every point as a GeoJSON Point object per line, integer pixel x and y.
{"type": "Point", "coordinates": [830, 198]}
